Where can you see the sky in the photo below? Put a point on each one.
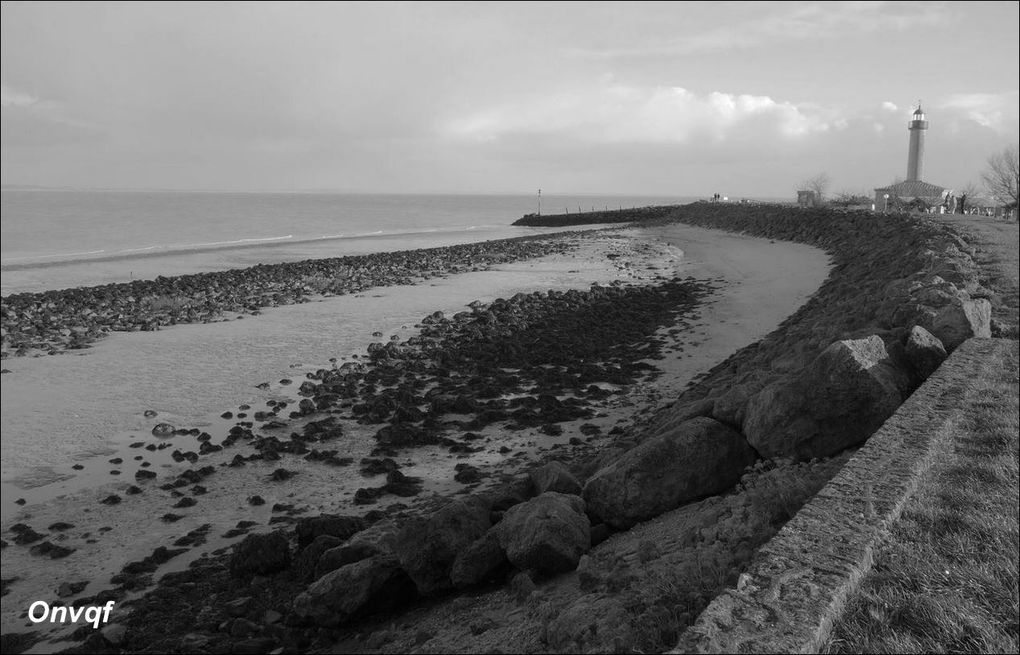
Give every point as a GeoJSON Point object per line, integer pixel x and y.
{"type": "Point", "coordinates": [674, 98]}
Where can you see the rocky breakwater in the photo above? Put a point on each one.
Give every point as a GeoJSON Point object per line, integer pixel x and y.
{"type": "Point", "coordinates": [635, 215]}
{"type": "Point", "coordinates": [902, 293]}
{"type": "Point", "coordinates": [54, 321]}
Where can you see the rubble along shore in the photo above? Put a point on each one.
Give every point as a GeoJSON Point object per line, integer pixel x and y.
{"type": "Point", "coordinates": [55, 321]}
{"type": "Point", "coordinates": [889, 268]}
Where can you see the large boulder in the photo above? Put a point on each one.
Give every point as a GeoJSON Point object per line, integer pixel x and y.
{"type": "Point", "coordinates": [923, 352]}
{"type": "Point", "coordinates": [371, 585]}
{"type": "Point", "coordinates": [697, 458]}
{"type": "Point", "coordinates": [308, 558]}
{"type": "Point", "coordinates": [554, 476]}
{"type": "Point", "coordinates": [960, 320]}
{"type": "Point", "coordinates": [378, 539]}
{"type": "Point", "coordinates": [342, 527]}
{"type": "Point", "coordinates": [547, 534]}
{"type": "Point", "coordinates": [427, 547]}
{"type": "Point", "coordinates": [731, 407]}
{"type": "Point", "coordinates": [479, 562]}
{"type": "Point", "coordinates": [260, 554]}
{"type": "Point", "coordinates": [838, 401]}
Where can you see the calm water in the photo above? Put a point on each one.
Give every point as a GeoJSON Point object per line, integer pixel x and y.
{"type": "Point", "coordinates": [53, 239]}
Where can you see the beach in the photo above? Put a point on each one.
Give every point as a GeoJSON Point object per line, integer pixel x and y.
{"type": "Point", "coordinates": [92, 403]}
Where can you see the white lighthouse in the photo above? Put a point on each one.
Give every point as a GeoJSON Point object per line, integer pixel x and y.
{"type": "Point", "coordinates": [912, 193]}
{"type": "Point", "coordinates": [915, 154]}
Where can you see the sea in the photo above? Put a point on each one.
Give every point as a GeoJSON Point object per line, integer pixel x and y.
{"type": "Point", "coordinates": [59, 238]}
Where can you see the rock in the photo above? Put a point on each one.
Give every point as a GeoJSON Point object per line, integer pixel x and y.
{"type": "Point", "coordinates": [427, 547]}
{"type": "Point", "coordinates": [143, 474]}
{"type": "Point", "coordinates": [371, 585]}
{"type": "Point", "coordinates": [24, 534]}
{"type": "Point", "coordinates": [260, 554]}
{"type": "Point", "coordinates": [238, 607]}
{"type": "Point", "coordinates": [70, 588]}
{"type": "Point", "coordinates": [554, 476]}
{"type": "Point", "coordinates": [308, 558]}
{"type": "Point", "coordinates": [960, 320]}
{"type": "Point", "coordinates": [697, 458]}
{"type": "Point", "coordinates": [924, 352]}
{"type": "Point", "coordinates": [334, 525]}
{"type": "Point", "coordinates": [547, 534]}
{"type": "Point", "coordinates": [838, 401]}
{"type": "Point", "coordinates": [731, 407]}
{"type": "Point", "coordinates": [163, 430]}
{"type": "Point", "coordinates": [478, 562]}
{"type": "Point", "coordinates": [378, 539]}
{"type": "Point", "coordinates": [467, 474]}
{"type": "Point", "coordinates": [114, 634]}
{"type": "Point", "coordinates": [50, 550]}
{"type": "Point", "coordinates": [281, 474]}
{"type": "Point", "coordinates": [256, 500]}
{"type": "Point", "coordinates": [674, 416]}
{"type": "Point", "coordinates": [522, 586]}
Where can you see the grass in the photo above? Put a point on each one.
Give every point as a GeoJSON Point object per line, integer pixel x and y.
{"type": "Point", "coordinates": [945, 580]}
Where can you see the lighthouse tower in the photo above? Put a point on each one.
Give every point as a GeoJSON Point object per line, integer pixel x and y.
{"type": "Point", "coordinates": [915, 155]}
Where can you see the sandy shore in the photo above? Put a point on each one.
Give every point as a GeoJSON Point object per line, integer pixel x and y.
{"type": "Point", "coordinates": [213, 368]}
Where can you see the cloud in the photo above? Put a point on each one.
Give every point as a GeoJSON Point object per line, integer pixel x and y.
{"type": "Point", "coordinates": [889, 106]}
{"type": "Point", "coordinates": [804, 22]}
{"type": "Point", "coordinates": [630, 114]}
{"type": "Point", "coordinates": [28, 120]}
{"type": "Point", "coordinates": [13, 98]}
{"type": "Point", "coordinates": [998, 112]}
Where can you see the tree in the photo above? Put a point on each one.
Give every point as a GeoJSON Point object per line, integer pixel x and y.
{"type": "Point", "coordinates": [819, 184]}
{"type": "Point", "coordinates": [969, 189]}
{"type": "Point", "coordinates": [1002, 176]}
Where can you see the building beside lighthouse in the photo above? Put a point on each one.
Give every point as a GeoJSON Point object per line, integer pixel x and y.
{"type": "Point", "coordinates": [913, 192]}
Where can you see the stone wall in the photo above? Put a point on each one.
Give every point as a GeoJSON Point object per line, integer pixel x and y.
{"type": "Point", "coordinates": [797, 584]}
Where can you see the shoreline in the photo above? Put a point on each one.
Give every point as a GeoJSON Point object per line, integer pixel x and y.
{"type": "Point", "coordinates": [652, 397]}
{"type": "Point", "coordinates": [67, 319]}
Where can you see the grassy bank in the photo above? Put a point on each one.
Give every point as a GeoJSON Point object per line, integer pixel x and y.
{"type": "Point", "coordinates": [946, 577]}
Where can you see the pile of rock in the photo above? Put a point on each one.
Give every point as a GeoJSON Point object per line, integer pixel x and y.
{"type": "Point", "coordinates": [903, 293]}
{"type": "Point", "coordinates": [54, 321]}
{"type": "Point", "coordinates": [537, 526]}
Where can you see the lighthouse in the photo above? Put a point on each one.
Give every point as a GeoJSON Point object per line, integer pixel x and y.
{"type": "Point", "coordinates": [915, 155]}
{"type": "Point", "coordinates": [912, 193]}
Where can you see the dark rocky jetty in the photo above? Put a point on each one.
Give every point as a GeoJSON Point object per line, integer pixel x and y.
{"type": "Point", "coordinates": [637, 214]}
{"type": "Point", "coordinates": [53, 321]}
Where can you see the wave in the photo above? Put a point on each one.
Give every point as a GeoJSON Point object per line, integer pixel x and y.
{"type": "Point", "coordinates": [165, 250]}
